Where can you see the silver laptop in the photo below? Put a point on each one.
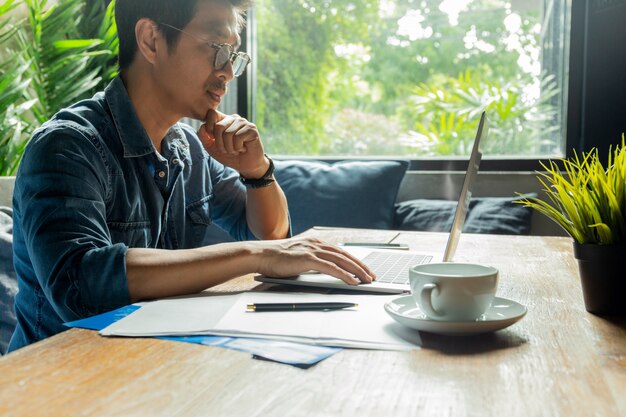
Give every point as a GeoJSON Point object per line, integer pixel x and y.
{"type": "Point", "coordinates": [392, 266]}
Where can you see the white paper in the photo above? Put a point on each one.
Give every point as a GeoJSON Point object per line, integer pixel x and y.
{"type": "Point", "coordinates": [173, 317]}
{"type": "Point", "coordinates": [366, 326]}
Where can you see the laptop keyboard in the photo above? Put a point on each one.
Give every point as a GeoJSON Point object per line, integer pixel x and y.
{"type": "Point", "coordinates": [393, 268]}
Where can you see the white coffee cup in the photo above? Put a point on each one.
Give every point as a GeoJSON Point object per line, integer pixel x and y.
{"type": "Point", "coordinates": [453, 291]}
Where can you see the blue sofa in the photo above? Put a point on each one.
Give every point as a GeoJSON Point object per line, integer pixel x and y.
{"type": "Point", "coordinates": [363, 194]}
{"type": "Point", "coordinates": [8, 284]}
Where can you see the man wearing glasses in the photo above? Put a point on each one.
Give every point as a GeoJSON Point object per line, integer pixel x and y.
{"type": "Point", "coordinates": [114, 197]}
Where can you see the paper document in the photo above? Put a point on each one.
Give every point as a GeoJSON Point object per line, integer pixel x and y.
{"type": "Point", "coordinates": [297, 354]}
{"type": "Point", "coordinates": [367, 326]}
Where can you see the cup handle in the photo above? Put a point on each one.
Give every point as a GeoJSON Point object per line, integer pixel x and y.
{"type": "Point", "coordinates": [426, 300]}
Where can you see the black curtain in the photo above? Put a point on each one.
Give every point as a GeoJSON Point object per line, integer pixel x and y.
{"type": "Point", "coordinates": [597, 93]}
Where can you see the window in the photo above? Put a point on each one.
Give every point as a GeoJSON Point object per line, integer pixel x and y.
{"type": "Point", "coordinates": [360, 78]}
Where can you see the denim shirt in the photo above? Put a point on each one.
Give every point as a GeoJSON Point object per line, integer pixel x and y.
{"type": "Point", "coordinates": [90, 186]}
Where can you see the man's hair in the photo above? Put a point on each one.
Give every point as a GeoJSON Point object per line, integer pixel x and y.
{"type": "Point", "coordinates": [177, 13]}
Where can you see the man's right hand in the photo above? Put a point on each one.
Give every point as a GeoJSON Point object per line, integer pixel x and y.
{"type": "Point", "coordinates": [289, 257]}
{"type": "Point", "coordinates": [234, 142]}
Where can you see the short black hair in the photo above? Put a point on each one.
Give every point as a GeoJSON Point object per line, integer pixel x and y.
{"type": "Point", "coordinates": [177, 13]}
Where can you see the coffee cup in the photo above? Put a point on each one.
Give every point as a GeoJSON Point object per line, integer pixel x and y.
{"type": "Point", "coordinates": [450, 291]}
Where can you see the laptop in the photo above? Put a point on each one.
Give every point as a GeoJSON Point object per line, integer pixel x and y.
{"type": "Point", "coordinates": [392, 266]}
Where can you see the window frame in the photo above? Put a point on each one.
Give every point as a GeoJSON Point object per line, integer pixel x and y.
{"type": "Point", "coordinates": [572, 99]}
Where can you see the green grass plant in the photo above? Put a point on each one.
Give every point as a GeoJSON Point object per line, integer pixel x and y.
{"type": "Point", "coordinates": [586, 199]}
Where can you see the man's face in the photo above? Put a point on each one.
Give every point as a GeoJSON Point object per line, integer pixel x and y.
{"type": "Point", "coordinates": [190, 82]}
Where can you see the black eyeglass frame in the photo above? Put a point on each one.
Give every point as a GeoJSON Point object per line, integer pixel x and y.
{"type": "Point", "coordinates": [239, 60]}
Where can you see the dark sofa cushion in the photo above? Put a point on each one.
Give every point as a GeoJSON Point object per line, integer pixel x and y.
{"type": "Point", "coordinates": [8, 281]}
{"type": "Point", "coordinates": [347, 194]}
{"type": "Point", "coordinates": [494, 215]}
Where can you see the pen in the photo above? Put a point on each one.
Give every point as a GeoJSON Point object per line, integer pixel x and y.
{"type": "Point", "coordinates": [298, 306]}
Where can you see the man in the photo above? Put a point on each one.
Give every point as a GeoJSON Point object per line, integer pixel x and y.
{"type": "Point", "coordinates": [113, 198]}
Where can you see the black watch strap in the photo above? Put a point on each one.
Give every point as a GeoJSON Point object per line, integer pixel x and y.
{"type": "Point", "coordinates": [264, 181]}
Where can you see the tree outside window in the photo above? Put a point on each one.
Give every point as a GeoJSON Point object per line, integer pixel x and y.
{"type": "Point", "coordinates": [391, 77]}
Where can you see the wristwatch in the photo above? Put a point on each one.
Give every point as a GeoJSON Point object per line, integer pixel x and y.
{"type": "Point", "coordinates": [264, 181]}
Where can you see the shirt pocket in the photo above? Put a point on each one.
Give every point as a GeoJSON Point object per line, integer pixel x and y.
{"type": "Point", "coordinates": [132, 234]}
{"type": "Point", "coordinates": [199, 213]}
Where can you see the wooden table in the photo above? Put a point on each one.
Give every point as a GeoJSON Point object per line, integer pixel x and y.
{"type": "Point", "coordinates": [558, 361]}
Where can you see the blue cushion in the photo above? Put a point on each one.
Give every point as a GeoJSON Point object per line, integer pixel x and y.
{"type": "Point", "coordinates": [8, 281]}
{"type": "Point", "coordinates": [345, 194]}
{"type": "Point", "coordinates": [494, 215]}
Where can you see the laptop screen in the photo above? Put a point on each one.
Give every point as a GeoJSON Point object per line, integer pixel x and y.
{"type": "Point", "coordinates": [466, 191]}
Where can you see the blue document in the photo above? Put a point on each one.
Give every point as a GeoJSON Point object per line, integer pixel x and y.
{"type": "Point", "coordinates": [296, 354]}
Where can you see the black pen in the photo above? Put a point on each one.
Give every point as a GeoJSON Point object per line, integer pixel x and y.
{"type": "Point", "coordinates": [298, 306]}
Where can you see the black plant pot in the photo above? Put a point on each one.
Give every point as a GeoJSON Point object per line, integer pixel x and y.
{"type": "Point", "coordinates": [603, 277]}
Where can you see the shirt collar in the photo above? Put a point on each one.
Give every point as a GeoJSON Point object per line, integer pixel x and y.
{"type": "Point", "coordinates": [132, 134]}
{"type": "Point", "coordinates": [175, 140]}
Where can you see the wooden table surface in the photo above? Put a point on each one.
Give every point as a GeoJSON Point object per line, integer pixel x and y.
{"type": "Point", "coordinates": [557, 361]}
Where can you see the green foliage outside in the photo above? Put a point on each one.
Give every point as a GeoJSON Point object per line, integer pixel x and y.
{"type": "Point", "coordinates": [444, 114]}
{"type": "Point", "coordinates": [341, 77]}
{"type": "Point", "coordinates": [58, 54]}
{"type": "Point", "coordinates": [335, 77]}
{"type": "Point", "coordinates": [298, 83]}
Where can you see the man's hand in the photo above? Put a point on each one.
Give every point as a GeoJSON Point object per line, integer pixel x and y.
{"type": "Point", "coordinates": [289, 257]}
{"type": "Point", "coordinates": [235, 142]}
{"type": "Point", "coordinates": [149, 270]}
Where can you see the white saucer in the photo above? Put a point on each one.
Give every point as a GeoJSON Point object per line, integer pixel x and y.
{"type": "Point", "coordinates": [501, 314]}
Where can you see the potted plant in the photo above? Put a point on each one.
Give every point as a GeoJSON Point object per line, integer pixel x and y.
{"type": "Point", "coordinates": [589, 202]}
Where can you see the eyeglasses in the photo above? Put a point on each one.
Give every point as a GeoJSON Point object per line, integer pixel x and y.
{"type": "Point", "coordinates": [223, 54]}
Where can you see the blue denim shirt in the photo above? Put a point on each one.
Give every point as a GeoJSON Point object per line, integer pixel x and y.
{"type": "Point", "coordinates": [90, 186]}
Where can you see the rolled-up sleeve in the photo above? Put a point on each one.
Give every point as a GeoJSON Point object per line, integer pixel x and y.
{"type": "Point", "coordinates": [230, 203]}
{"type": "Point", "coordinates": [60, 200]}
{"type": "Point", "coordinates": [229, 197]}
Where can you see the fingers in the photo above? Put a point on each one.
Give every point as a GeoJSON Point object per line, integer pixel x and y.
{"type": "Point", "coordinates": [233, 135]}
{"type": "Point", "coordinates": [206, 130]}
{"type": "Point", "coordinates": [347, 261]}
{"type": "Point", "coordinates": [299, 255]}
{"type": "Point", "coordinates": [342, 266]}
{"type": "Point", "coordinates": [228, 134]}
{"type": "Point", "coordinates": [332, 269]}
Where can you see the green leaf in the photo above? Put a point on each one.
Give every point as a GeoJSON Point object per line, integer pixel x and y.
{"type": "Point", "coordinates": [57, 63]}
{"type": "Point", "coordinates": [64, 45]}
